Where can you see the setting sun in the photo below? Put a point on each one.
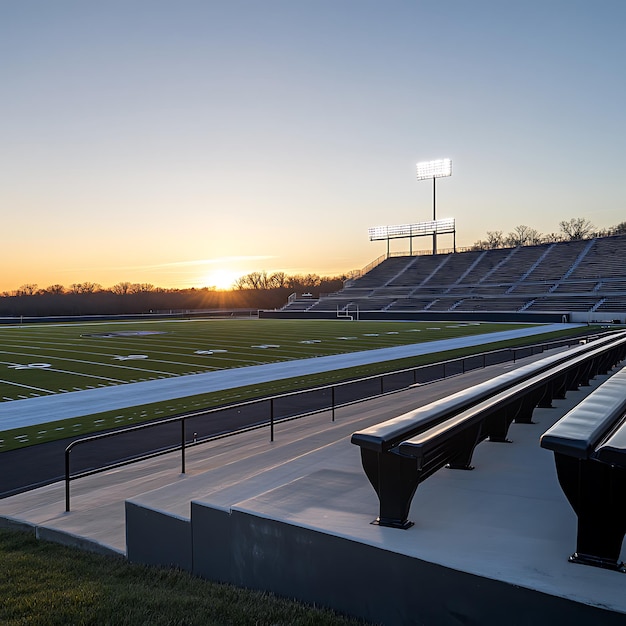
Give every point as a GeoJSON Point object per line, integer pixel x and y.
{"type": "Point", "coordinates": [221, 279]}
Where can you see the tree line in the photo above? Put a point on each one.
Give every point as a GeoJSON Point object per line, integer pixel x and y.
{"type": "Point", "coordinates": [257, 290]}
{"type": "Point", "coordinates": [573, 229]}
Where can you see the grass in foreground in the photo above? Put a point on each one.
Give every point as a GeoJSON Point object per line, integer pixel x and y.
{"type": "Point", "coordinates": [46, 583]}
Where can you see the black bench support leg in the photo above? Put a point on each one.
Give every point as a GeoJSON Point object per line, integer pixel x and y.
{"type": "Point", "coordinates": [498, 424]}
{"type": "Point", "coordinates": [395, 479]}
{"type": "Point", "coordinates": [572, 379]}
{"type": "Point", "coordinates": [466, 443]}
{"type": "Point", "coordinates": [528, 404]}
{"type": "Point", "coordinates": [545, 401]}
{"type": "Point", "coordinates": [596, 493]}
{"type": "Point", "coordinates": [560, 388]}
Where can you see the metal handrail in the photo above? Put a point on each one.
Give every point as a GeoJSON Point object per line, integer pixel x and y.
{"type": "Point", "coordinates": [541, 347]}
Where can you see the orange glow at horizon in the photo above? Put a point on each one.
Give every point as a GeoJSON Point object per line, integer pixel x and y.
{"type": "Point", "coordinates": [221, 279]}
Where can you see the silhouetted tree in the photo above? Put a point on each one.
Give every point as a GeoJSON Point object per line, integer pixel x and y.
{"type": "Point", "coordinates": [141, 288]}
{"type": "Point", "coordinates": [55, 289]}
{"type": "Point", "coordinates": [576, 228]}
{"type": "Point", "coordinates": [121, 289]}
{"type": "Point", "coordinates": [254, 280]}
{"type": "Point", "coordinates": [277, 280]}
{"type": "Point", "coordinates": [29, 289]}
{"type": "Point", "coordinates": [495, 239]}
{"type": "Point", "coordinates": [306, 281]}
{"type": "Point", "coordinates": [523, 236]}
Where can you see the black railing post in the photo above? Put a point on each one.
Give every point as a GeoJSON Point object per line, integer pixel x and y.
{"type": "Point", "coordinates": [182, 445]}
{"type": "Point", "coordinates": [271, 419]}
{"type": "Point", "coordinates": [67, 481]}
{"type": "Point", "coordinates": [332, 402]}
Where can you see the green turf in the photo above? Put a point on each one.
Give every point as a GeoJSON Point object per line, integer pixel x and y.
{"type": "Point", "coordinates": [45, 359]}
{"type": "Point", "coordinates": [21, 437]}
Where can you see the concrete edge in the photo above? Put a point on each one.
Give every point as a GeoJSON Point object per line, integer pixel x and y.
{"type": "Point", "coordinates": [58, 536]}
{"type": "Point", "coordinates": [10, 523]}
{"type": "Point", "coordinates": [74, 541]}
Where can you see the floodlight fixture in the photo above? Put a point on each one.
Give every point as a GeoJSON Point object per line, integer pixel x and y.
{"type": "Point", "coordinates": [434, 169]}
{"type": "Point", "coordinates": [408, 231]}
{"type": "Point", "coordinates": [399, 231]}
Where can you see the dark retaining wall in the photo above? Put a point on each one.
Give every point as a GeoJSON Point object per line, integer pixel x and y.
{"type": "Point", "coordinates": [426, 316]}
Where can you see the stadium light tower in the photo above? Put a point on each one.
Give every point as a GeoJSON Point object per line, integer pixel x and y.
{"type": "Point", "coordinates": [434, 169]}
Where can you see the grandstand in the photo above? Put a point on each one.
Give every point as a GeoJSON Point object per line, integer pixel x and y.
{"type": "Point", "coordinates": [584, 280]}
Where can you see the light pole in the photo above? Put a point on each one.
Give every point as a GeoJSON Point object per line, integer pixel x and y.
{"type": "Point", "coordinates": [434, 169]}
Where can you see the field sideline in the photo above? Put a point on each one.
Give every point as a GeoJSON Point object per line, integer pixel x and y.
{"type": "Point", "coordinates": [40, 361]}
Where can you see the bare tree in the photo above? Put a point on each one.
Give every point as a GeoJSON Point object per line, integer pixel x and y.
{"type": "Point", "coordinates": [240, 283]}
{"type": "Point", "coordinates": [29, 289]}
{"type": "Point", "coordinates": [141, 288]}
{"type": "Point", "coordinates": [480, 244]}
{"type": "Point", "coordinates": [277, 280]}
{"type": "Point", "coordinates": [121, 289]}
{"type": "Point", "coordinates": [523, 236]}
{"type": "Point", "coordinates": [55, 289]}
{"type": "Point", "coordinates": [552, 238]}
{"type": "Point", "coordinates": [535, 238]}
{"type": "Point", "coordinates": [258, 280]}
{"type": "Point", "coordinates": [86, 287]}
{"type": "Point", "coordinates": [300, 281]}
{"type": "Point", "coordinates": [254, 280]}
{"type": "Point", "coordinates": [576, 228]}
{"type": "Point", "coordinates": [618, 229]}
{"type": "Point", "coordinates": [495, 239]}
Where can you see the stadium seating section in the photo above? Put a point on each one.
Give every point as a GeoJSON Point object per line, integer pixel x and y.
{"type": "Point", "coordinates": [576, 276]}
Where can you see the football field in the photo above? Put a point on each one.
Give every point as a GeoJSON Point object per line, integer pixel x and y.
{"type": "Point", "coordinates": [39, 361]}
{"type": "Point", "coordinates": [47, 359]}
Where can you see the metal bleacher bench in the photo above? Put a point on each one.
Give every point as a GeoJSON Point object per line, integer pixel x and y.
{"type": "Point", "coordinates": [589, 445]}
{"type": "Point", "coordinates": [400, 453]}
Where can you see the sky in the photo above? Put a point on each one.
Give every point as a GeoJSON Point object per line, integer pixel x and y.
{"type": "Point", "coordinates": [186, 142]}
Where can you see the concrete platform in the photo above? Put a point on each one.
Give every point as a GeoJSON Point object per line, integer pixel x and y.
{"type": "Point", "coordinates": [293, 517]}
{"type": "Point", "coordinates": [45, 507]}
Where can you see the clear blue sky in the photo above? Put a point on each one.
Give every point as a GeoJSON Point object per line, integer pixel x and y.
{"type": "Point", "coordinates": [161, 141]}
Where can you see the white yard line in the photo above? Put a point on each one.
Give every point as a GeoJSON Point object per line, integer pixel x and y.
{"type": "Point", "coordinates": [22, 386]}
